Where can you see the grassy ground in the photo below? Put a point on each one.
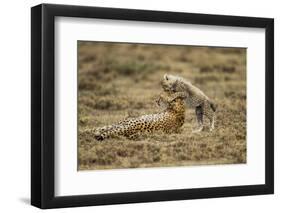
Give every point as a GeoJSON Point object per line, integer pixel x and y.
{"type": "Point", "coordinates": [121, 80]}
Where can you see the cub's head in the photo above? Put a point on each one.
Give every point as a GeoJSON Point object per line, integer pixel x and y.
{"type": "Point", "coordinates": [170, 83]}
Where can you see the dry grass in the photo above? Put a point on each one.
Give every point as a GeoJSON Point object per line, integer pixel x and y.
{"type": "Point", "coordinates": [120, 80]}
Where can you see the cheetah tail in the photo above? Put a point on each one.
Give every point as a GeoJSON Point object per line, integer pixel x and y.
{"type": "Point", "coordinates": [213, 106]}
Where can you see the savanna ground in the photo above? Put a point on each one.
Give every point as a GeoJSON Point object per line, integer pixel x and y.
{"type": "Point", "coordinates": [121, 80]}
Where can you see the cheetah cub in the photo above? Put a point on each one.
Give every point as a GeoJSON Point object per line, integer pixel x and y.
{"type": "Point", "coordinates": [195, 98]}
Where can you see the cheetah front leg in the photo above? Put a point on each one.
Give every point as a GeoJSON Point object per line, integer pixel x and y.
{"type": "Point", "coordinates": [168, 98]}
{"type": "Point", "coordinates": [199, 116]}
{"type": "Point", "coordinates": [175, 95]}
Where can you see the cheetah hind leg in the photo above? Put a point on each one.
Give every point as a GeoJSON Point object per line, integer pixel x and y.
{"type": "Point", "coordinates": [133, 136]}
{"type": "Point", "coordinates": [211, 116]}
{"type": "Point", "coordinates": [199, 116]}
{"type": "Point", "coordinates": [212, 123]}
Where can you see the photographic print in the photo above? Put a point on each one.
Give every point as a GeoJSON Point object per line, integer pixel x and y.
{"type": "Point", "coordinates": [134, 95]}
{"type": "Point", "coordinates": [158, 105]}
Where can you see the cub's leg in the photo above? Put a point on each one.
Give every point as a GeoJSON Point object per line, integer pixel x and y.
{"type": "Point", "coordinates": [212, 123]}
{"type": "Point", "coordinates": [210, 114]}
{"type": "Point", "coordinates": [199, 116]}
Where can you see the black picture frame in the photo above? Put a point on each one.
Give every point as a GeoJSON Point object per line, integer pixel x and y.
{"type": "Point", "coordinates": [43, 102]}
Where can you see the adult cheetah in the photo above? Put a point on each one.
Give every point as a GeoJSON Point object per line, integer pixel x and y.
{"type": "Point", "coordinates": [195, 98]}
{"type": "Point", "coordinates": [168, 121]}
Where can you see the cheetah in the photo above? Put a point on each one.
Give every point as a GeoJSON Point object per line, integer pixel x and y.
{"type": "Point", "coordinates": [195, 98]}
{"type": "Point", "coordinates": [170, 120]}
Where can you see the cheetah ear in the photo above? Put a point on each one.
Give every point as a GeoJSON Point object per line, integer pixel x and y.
{"type": "Point", "coordinates": [166, 77]}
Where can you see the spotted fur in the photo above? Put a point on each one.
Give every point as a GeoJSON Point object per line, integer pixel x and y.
{"type": "Point", "coordinates": [168, 121]}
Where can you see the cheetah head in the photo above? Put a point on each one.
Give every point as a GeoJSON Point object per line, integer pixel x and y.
{"type": "Point", "coordinates": [170, 83]}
